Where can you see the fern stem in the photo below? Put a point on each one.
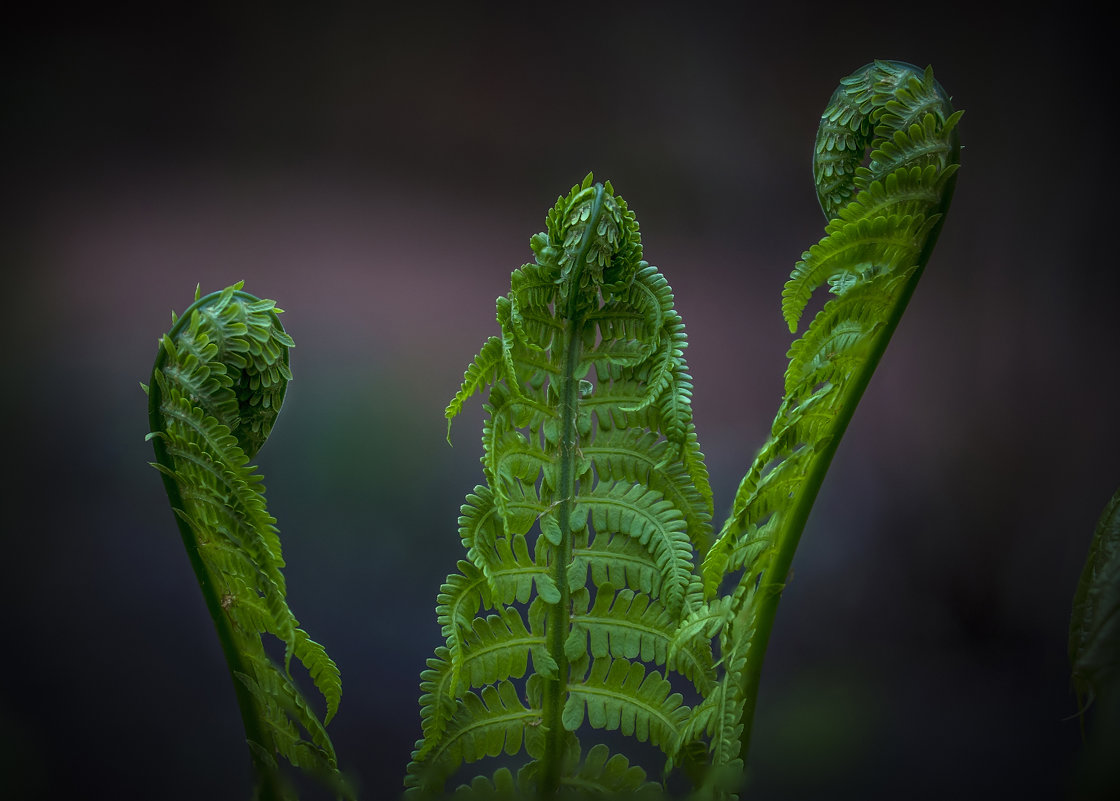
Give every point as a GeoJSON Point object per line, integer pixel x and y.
{"type": "Point", "coordinates": [777, 571]}
{"type": "Point", "coordinates": [269, 787]}
{"type": "Point", "coordinates": [765, 609]}
{"type": "Point", "coordinates": [269, 784]}
{"type": "Point", "coordinates": [559, 622]}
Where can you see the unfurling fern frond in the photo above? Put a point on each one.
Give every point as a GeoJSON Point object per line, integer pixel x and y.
{"type": "Point", "coordinates": [883, 221]}
{"type": "Point", "coordinates": [594, 482]}
{"type": "Point", "coordinates": [582, 546]}
{"type": "Point", "coordinates": [219, 379]}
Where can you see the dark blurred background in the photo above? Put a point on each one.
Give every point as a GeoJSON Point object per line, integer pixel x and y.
{"type": "Point", "coordinates": [378, 170]}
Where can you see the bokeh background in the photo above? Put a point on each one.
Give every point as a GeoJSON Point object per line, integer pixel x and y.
{"type": "Point", "coordinates": [378, 170]}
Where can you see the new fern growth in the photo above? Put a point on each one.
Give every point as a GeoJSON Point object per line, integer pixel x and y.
{"type": "Point", "coordinates": [217, 385]}
{"type": "Point", "coordinates": [595, 592]}
{"type": "Point", "coordinates": [589, 550]}
{"type": "Point", "coordinates": [883, 221]}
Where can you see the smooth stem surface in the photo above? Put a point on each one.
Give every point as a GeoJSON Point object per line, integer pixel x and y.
{"type": "Point", "coordinates": [788, 539]}
{"type": "Point", "coordinates": [776, 573]}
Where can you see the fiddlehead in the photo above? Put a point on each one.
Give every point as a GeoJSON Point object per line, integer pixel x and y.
{"type": "Point", "coordinates": [218, 383]}
{"type": "Point", "coordinates": [883, 220]}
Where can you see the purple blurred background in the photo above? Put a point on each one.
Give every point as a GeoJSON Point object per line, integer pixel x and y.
{"type": "Point", "coordinates": [379, 173]}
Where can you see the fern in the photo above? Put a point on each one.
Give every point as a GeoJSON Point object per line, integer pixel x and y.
{"type": "Point", "coordinates": [872, 255]}
{"type": "Point", "coordinates": [590, 549]}
{"type": "Point", "coordinates": [1094, 641]}
{"type": "Point", "coordinates": [217, 386]}
{"type": "Point", "coordinates": [594, 593]}
{"type": "Point", "coordinates": [1094, 654]}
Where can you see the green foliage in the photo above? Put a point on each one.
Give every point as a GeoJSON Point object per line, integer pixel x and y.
{"type": "Point", "coordinates": [1094, 634]}
{"type": "Point", "coordinates": [590, 548]}
{"type": "Point", "coordinates": [595, 593]}
{"type": "Point", "coordinates": [218, 383]}
{"type": "Point", "coordinates": [1094, 653]}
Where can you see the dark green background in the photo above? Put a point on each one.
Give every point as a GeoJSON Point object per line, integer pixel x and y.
{"type": "Point", "coordinates": [379, 172]}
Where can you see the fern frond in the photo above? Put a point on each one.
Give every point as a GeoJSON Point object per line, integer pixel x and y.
{"type": "Point", "coordinates": [516, 573]}
{"type": "Point", "coordinates": [490, 723]}
{"type": "Point", "coordinates": [458, 601]}
{"type": "Point", "coordinates": [593, 474]}
{"type": "Point", "coordinates": [323, 670]}
{"type": "Point", "coordinates": [626, 625]}
{"type": "Point", "coordinates": [866, 111]}
{"type": "Point", "coordinates": [1094, 642]}
{"type": "Point", "coordinates": [276, 692]}
{"type": "Point", "coordinates": [720, 716]}
{"type": "Point", "coordinates": [905, 192]}
{"type": "Point", "coordinates": [495, 552]}
{"type": "Point", "coordinates": [503, 787]}
{"type": "Point", "coordinates": [645, 516]}
{"type": "Point", "coordinates": [437, 697]}
{"type": "Point", "coordinates": [496, 648]}
{"type": "Point", "coordinates": [615, 559]}
{"type": "Point", "coordinates": [217, 386]}
{"type": "Point", "coordinates": [840, 334]}
{"type": "Point", "coordinates": [602, 775]}
{"type": "Point", "coordinates": [478, 374]}
{"type": "Point", "coordinates": [690, 647]}
{"type": "Point", "coordinates": [883, 220]}
{"type": "Point", "coordinates": [879, 244]}
{"type": "Point", "coordinates": [622, 624]}
{"type": "Point", "coordinates": [618, 694]}
{"type": "Point", "coordinates": [598, 775]}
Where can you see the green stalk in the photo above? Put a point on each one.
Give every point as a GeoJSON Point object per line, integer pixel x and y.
{"type": "Point", "coordinates": [268, 782]}
{"type": "Point", "coordinates": [787, 539]}
{"type": "Point", "coordinates": [559, 617]}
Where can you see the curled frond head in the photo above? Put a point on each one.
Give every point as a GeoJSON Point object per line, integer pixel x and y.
{"type": "Point", "coordinates": [884, 116]}
{"type": "Point", "coordinates": [229, 351]}
{"type": "Point", "coordinates": [592, 237]}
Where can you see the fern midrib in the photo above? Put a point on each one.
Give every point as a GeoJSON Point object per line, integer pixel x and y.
{"type": "Point", "coordinates": [555, 691]}
{"type": "Point", "coordinates": [559, 617]}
